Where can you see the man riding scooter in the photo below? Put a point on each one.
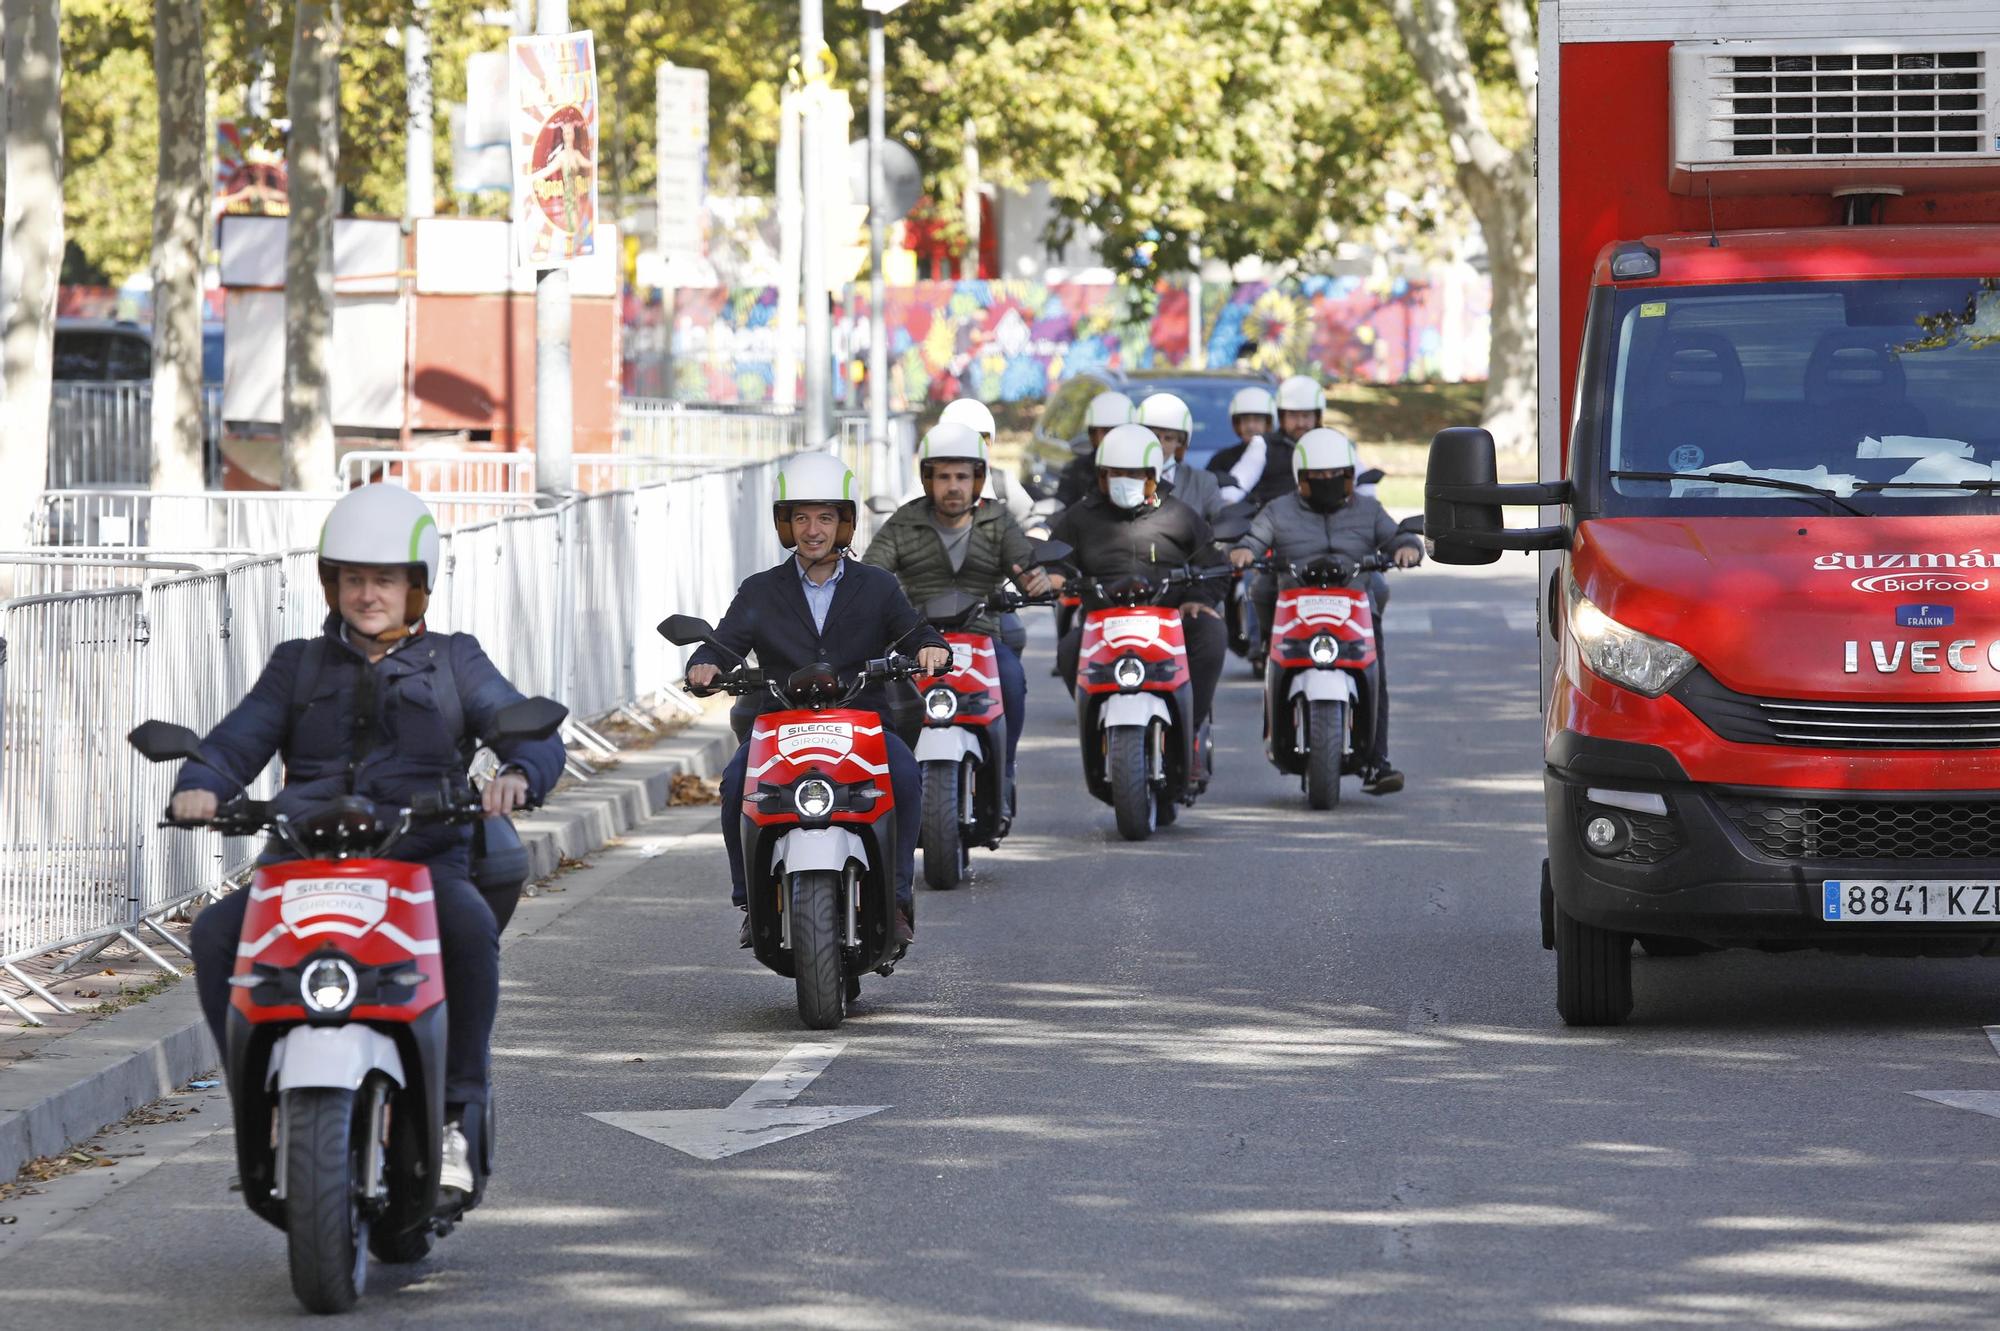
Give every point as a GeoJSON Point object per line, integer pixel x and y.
{"type": "Point", "coordinates": [379, 707]}
{"type": "Point", "coordinates": [1107, 411]}
{"type": "Point", "coordinates": [1127, 527]}
{"type": "Point", "coordinates": [950, 541]}
{"type": "Point", "coordinates": [821, 607]}
{"type": "Point", "coordinates": [1324, 516]}
{"type": "Point", "coordinates": [1168, 417]}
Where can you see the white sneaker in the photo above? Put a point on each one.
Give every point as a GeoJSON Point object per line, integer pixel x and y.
{"type": "Point", "coordinates": [455, 1162]}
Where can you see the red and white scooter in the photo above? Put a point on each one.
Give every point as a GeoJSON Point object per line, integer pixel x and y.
{"type": "Point", "coordinates": [819, 827]}
{"type": "Point", "coordinates": [335, 1052]}
{"type": "Point", "coordinates": [1135, 703]}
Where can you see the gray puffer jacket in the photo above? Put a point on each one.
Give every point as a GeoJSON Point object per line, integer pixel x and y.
{"type": "Point", "coordinates": [910, 547]}
{"type": "Point", "coordinates": [1357, 529]}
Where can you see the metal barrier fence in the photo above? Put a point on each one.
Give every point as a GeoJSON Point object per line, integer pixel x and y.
{"type": "Point", "coordinates": [102, 434]}
{"type": "Point", "coordinates": [464, 472]}
{"type": "Point", "coordinates": [237, 519]}
{"type": "Point", "coordinates": [563, 599]}
{"type": "Point", "coordinates": [659, 428]}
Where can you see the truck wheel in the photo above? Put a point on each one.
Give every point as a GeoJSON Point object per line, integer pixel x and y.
{"type": "Point", "coordinates": [816, 946]}
{"type": "Point", "coordinates": [942, 840]}
{"type": "Point", "coordinates": [1131, 791]}
{"type": "Point", "coordinates": [326, 1234]}
{"type": "Point", "coordinates": [1326, 723]}
{"type": "Point", "coordinates": [1593, 973]}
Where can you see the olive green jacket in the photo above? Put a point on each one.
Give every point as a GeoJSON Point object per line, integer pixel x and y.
{"type": "Point", "coordinates": [909, 546]}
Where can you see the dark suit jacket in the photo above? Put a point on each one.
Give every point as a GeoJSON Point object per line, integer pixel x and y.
{"type": "Point", "coordinates": [870, 617]}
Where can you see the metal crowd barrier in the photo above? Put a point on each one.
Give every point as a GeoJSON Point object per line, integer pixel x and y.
{"type": "Point", "coordinates": [562, 598]}
{"type": "Point", "coordinates": [101, 434]}
{"type": "Point", "coordinates": [237, 519]}
{"type": "Point", "coordinates": [664, 429]}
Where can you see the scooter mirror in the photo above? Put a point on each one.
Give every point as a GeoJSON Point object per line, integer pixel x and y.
{"type": "Point", "coordinates": [530, 718]}
{"type": "Point", "coordinates": [163, 741]}
{"type": "Point", "coordinates": [685, 630]}
{"type": "Point", "coordinates": [950, 605]}
{"type": "Point", "coordinates": [1229, 527]}
{"type": "Point", "coordinates": [1373, 476]}
{"type": "Point", "coordinates": [1413, 524]}
{"type": "Point", "coordinates": [882, 505]}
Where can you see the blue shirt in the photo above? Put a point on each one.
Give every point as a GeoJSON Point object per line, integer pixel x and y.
{"type": "Point", "coordinates": [819, 595]}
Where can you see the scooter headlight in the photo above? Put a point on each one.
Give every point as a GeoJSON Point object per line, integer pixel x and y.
{"type": "Point", "coordinates": [813, 798]}
{"type": "Point", "coordinates": [1324, 650]}
{"type": "Point", "coordinates": [940, 705]}
{"type": "Point", "coordinates": [328, 985]}
{"type": "Point", "coordinates": [1128, 672]}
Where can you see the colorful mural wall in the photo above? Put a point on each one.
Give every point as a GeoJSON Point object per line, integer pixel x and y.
{"type": "Point", "coordinates": [1015, 341]}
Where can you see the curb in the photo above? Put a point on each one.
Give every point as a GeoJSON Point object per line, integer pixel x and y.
{"type": "Point", "coordinates": [76, 1086]}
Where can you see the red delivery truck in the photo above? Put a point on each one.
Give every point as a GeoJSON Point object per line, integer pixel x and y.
{"type": "Point", "coordinates": [1770, 441]}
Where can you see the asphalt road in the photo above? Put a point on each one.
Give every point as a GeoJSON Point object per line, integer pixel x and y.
{"type": "Point", "coordinates": [1273, 1068]}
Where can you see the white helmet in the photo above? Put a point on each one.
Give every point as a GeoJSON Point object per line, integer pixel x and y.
{"type": "Point", "coordinates": [1108, 409]}
{"type": "Point", "coordinates": [969, 412]}
{"type": "Point", "coordinates": [1164, 411]}
{"type": "Point", "coordinates": [1301, 392]}
{"type": "Point", "coordinates": [956, 441]}
{"type": "Point", "coordinates": [1324, 450]}
{"type": "Point", "coordinates": [813, 478]}
{"type": "Point", "coordinates": [381, 523]}
{"type": "Point", "coordinates": [1252, 402]}
{"type": "Point", "coordinates": [1130, 447]}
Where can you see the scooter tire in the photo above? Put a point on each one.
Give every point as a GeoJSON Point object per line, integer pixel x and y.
{"type": "Point", "coordinates": [1593, 973]}
{"type": "Point", "coordinates": [1131, 788]}
{"type": "Point", "coordinates": [943, 838]}
{"type": "Point", "coordinates": [326, 1233]}
{"type": "Point", "coordinates": [816, 949]}
{"type": "Point", "coordinates": [1326, 724]}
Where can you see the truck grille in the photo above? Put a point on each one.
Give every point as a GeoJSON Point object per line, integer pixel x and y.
{"type": "Point", "coordinates": [1891, 104]}
{"type": "Point", "coordinates": [1839, 725]}
{"type": "Point", "coordinates": [1841, 829]}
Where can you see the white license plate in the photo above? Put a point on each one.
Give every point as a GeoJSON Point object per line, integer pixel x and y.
{"type": "Point", "coordinates": [1889, 902]}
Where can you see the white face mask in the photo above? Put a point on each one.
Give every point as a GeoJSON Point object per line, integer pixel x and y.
{"type": "Point", "coordinates": [1127, 491]}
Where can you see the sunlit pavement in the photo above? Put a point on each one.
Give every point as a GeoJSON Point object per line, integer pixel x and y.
{"type": "Point", "coordinates": [1272, 1068]}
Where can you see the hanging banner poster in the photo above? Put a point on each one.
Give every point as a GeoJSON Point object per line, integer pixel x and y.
{"type": "Point", "coordinates": [553, 92]}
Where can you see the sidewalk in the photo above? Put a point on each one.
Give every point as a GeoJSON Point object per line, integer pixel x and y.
{"type": "Point", "coordinates": [64, 1082]}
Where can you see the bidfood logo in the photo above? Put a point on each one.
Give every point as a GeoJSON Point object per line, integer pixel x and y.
{"type": "Point", "coordinates": [1914, 573]}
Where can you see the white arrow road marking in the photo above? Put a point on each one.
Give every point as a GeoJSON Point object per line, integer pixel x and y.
{"type": "Point", "coordinates": [1979, 1102]}
{"type": "Point", "coordinates": [761, 1115]}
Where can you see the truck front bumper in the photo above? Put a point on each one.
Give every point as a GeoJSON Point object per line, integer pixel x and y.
{"type": "Point", "coordinates": [1746, 866]}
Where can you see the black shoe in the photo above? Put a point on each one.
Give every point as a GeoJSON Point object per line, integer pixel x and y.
{"type": "Point", "coordinates": [743, 934]}
{"type": "Point", "coordinates": [1381, 779]}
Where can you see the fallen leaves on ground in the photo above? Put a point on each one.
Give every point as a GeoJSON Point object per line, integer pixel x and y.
{"type": "Point", "coordinates": [691, 789]}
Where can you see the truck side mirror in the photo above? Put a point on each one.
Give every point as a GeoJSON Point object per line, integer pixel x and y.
{"type": "Point", "coordinates": [1463, 523]}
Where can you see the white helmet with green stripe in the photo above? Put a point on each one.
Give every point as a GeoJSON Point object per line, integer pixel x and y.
{"type": "Point", "coordinates": [957, 443]}
{"type": "Point", "coordinates": [813, 478]}
{"type": "Point", "coordinates": [381, 523]}
{"type": "Point", "coordinates": [1130, 448]}
{"type": "Point", "coordinates": [1164, 411]}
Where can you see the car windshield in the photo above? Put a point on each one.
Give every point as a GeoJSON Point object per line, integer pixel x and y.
{"type": "Point", "coordinates": [1208, 400]}
{"type": "Point", "coordinates": [1883, 394]}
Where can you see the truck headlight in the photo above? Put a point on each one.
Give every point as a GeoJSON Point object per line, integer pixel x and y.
{"type": "Point", "coordinates": [328, 985]}
{"type": "Point", "coordinates": [940, 705]}
{"type": "Point", "coordinates": [1323, 650]}
{"type": "Point", "coordinates": [813, 798]}
{"type": "Point", "coordinates": [1625, 656]}
{"type": "Point", "coordinates": [1128, 672]}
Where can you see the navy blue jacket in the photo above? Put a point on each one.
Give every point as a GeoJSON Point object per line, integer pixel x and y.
{"type": "Point", "coordinates": [412, 745]}
{"type": "Point", "coordinates": [870, 617]}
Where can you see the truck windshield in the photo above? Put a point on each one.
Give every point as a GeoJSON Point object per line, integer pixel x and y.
{"type": "Point", "coordinates": [1883, 394]}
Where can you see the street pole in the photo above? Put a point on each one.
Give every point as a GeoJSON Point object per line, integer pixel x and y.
{"type": "Point", "coordinates": [785, 370]}
{"type": "Point", "coordinates": [819, 324]}
{"type": "Point", "coordinates": [1194, 347]}
{"type": "Point", "coordinates": [878, 305]}
{"type": "Point", "coordinates": [552, 328]}
{"type": "Point", "coordinates": [419, 157]}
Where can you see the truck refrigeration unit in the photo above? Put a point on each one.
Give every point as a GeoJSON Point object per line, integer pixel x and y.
{"type": "Point", "coordinates": [1769, 298]}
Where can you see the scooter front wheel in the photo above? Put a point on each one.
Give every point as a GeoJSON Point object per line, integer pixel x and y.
{"type": "Point", "coordinates": [1326, 727]}
{"type": "Point", "coordinates": [326, 1233]}
{"type": "Point", "coordinates": [816, 947]}
{"type": "Point", "coordinates": [943, 839]}
{"type": "Point", "coordinates": [1131, 786]}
